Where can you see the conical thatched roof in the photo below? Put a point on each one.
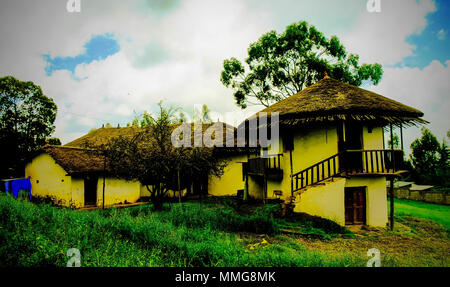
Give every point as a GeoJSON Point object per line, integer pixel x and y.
{"type": "Point", "coordinates": [330, 100]}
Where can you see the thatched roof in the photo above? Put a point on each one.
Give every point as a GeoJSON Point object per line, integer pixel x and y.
{"type": "Point", "coordinates": [101, 136]}
{"type": "Point", "coordinates": [76, 160]}
{"type": "Point", "coordinates": [330, 100]}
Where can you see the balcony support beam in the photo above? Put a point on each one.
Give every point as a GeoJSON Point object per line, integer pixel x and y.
{"type": "Point", "coordinates": [391, 184]}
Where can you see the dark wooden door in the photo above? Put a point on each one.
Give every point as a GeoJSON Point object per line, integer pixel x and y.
{"type": "Point", "coordinates": [90, 190]}
{"type": "Point", "coordinates": [355, 205]}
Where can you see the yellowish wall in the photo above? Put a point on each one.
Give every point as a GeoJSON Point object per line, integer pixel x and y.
{"type": "Point", "coordinates": [376, 198]}
{"type": "Point", "coordinates": [373, 140]}
{"type": "Point", "coordinates": [78, 191]}
{"type": "Point", "coordinates": [231, 180]}
{"type": "Point", "coordinates": [49, 179]}
{"type": "Point", "coordinates": [311, 145]}
{"type": "Point", "coordinates": [326, 201]}
{"type": "Point", "coordinates": [69, 191]}
{"type": "Point", "coordinates": [117, 191]}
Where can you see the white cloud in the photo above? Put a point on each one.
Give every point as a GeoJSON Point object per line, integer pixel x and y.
{"type": "Point", "coordinates": [426, 89]}
{"type": "Point", "coordinates": [196, 36]}
{"type": "Point", "coordinates": [441, 34]}
{"type": "Point", "coordinates": [381, 37]}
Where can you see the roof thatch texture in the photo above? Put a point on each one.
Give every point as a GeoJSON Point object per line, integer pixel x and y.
{"type": "Point", "coordinates": [331, 100]}
{"type": "Point", "coordinates": [78, 157]}
{"type": "Point", "coordinates": [105, 135]}
{"type": "Point", "coordinates": [76, 160]}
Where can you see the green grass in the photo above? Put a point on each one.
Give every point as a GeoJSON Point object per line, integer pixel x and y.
{"type": "Point", "coordinates": [204, 233]}
{"type": "Point", "coordinates": [435, 212]}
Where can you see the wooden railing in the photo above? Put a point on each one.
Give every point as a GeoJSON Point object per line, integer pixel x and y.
{"type": "Point", "coordinates": [320, 171]}
{"type": "Point", "coordinates": [373, 161]}
{"type": "Point", "coordinates": [349, 163]}
{"type": "Point", "coordinates": [270, 166]}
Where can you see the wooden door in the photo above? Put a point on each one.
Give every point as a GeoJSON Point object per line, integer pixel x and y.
{"type": "Point", "coordinates": [355, 205]}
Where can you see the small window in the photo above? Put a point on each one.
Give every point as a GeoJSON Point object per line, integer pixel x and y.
{"type": "Point", "coordinates": [288, 141]}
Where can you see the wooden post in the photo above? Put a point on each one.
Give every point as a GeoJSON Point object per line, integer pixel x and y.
{"type": "Point", "coordinates": [104, 175]}
{"type": "Point", "coordinates": [265, 189]}
{"type": "Point", "coordinates": [179, 185]}
{"type": "Point", "coordinates": [401, 136]}
{"type": "Point", "coordinates": [246, 187]}
{"type": "Point", "coordinates": [391, 184]}
{"type": "Point", "coordinates": [292, 179]}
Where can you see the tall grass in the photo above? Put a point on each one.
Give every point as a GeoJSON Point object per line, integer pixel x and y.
{"type": "Point", "coordinates": [189, 234]}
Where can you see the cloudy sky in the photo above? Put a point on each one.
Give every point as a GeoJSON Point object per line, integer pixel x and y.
{"type": "Point", "coordinates": [115, 59]}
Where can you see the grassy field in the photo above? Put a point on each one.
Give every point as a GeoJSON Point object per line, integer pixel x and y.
{"type": "Point", "coordinates": [212, 232]}
{"type": "Point", "coordinates": [435, 212]}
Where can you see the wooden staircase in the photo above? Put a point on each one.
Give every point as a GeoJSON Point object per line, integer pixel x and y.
{"type": "Point", "coordinates": [344, 164]}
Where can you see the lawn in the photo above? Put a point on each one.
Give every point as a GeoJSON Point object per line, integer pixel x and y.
{"type": "Point", "coordinates": [436, 212]}
{"type": "Point", "coordinates": [209, 232]}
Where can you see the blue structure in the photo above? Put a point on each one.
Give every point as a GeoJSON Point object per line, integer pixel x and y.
{"type": "Point", "coordinates": [17, 185]}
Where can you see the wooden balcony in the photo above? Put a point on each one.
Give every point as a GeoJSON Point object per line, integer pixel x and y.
{"type": "Point", "coordinates": [381, 162]}
{"type": "Point", "coordinates": [270, 167]}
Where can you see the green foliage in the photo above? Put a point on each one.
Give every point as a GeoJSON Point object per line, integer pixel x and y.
{"type": "Point", "coordinates": [429, 160]}
{"type": "Point", "coordinates": [281, 65]}
{"type": "Point", "coordinates": [40, 235]}
{"type": "Point", "coordinates": [147, 120]}
{"type": "Point", "coordinates": [54, 141]}
{"type": "Point", "coordinates": [26, 120]}
{"type": "Point", "coordinates": [151, 158]}
{"type": "Point", "coordinates": [395, 142]}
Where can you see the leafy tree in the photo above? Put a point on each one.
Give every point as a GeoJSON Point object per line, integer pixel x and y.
{"type": "Point", "coordinates": [54, 141]}
{"type": "Point", "coordinates": [395, 141]}
{"type": "Point", "coordinates": [429, 159]}
{"type": "Point", "coordinates": [26, 120]}
{"type": "Point", "coordinates": [146, 119]}
{"type": "Point", "coordinates": [151, 158]}
{"type": "Point", "coordinates": [280, 65]}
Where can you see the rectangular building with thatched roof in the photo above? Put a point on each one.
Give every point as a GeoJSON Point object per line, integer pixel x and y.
{"type": "Point", "coordinates": [76, 174]}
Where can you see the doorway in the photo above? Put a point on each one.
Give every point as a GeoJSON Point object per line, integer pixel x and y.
{"type": "Point", "coordinates": [355, 205]}
{"type": "Point", "coordinates": [90, 190]}
{"type": "Point", "coordinates": [350, 138]}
